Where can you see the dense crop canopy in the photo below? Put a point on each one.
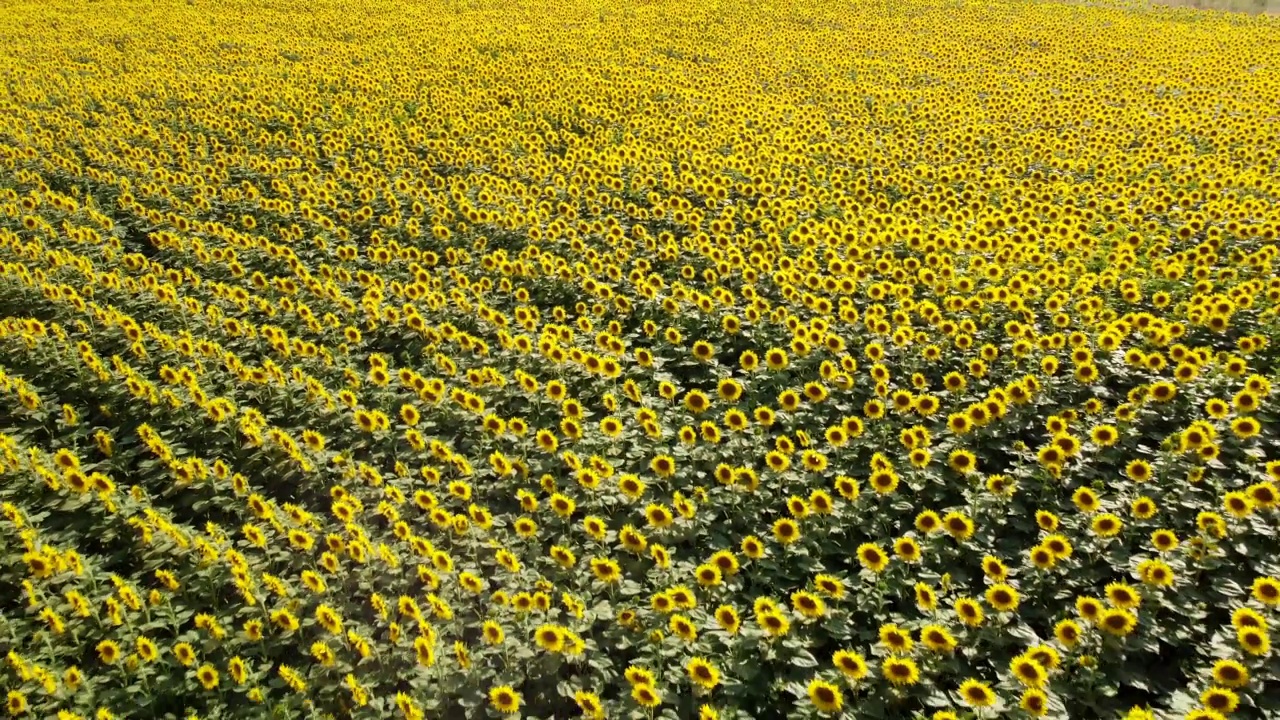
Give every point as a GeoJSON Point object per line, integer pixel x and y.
{"type": "Point", "coordinates": [650, 359]}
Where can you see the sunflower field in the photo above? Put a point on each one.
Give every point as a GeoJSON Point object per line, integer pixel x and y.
{"type": "Point", "coordinates": [571, 358]}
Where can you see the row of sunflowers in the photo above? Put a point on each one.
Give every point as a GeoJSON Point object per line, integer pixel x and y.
{"type": "Point", "coordinates": [781, 359]}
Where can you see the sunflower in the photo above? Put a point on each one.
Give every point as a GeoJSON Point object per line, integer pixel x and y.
{"type": "Point", "coordinates": [815, 392]}
{"type": "Point", "coordinates": [1156, 573]}
{"type": "Point", "coordinates": [1216, 408]}
{"type": "Point", "coordinates": [873, 409]}
{"type": "Point", "coordinates": [1123, 596]}
{"type": "Point", "coordinates": [703, 351]}
{"type": "Point", "coordinates": [959, 423]}
{"type": "Point", "coordinates": [631, 486]}
{"type": "Point", "coordinates": [736, 420]}
{"type": "Point", "coordinates": [1211, 523]}
{"type": "Point", "coordinates": [1138, 470]}
{"type": "Point", "coordinates": [926, 405]}
{"type": "Point", "coordinates": [826, 697]}
{"type": "Point", "coordinates": [797, 507]}
{"type": "Point", "coordinates": [682, 597]}
{"type": "Point", "coordinates": [808, 605]}
{"type": "Point", "coordinates": [1050, 456]}
{"type": "Point", "coordinates": [773, 623]}
{"type": "Point", "coordinates": [1220, 700]}
{"type": "Point", "coordinates": [1253, 640]}
{"type": "Point", "coordinates": [1230, 673]}
{"type": "Point", "coordinates": [561, 505]}
{"type": "Point", "coordinates": [207, 676]}
{"type": "Point", "coordinates": [814, 461]}
{"type": "Point", "coordinates": [765, 416]}
{"type": "Point", "coordinates": [546, 440]}
{"type": "Point", "coordinates": [238, 669]}
{"type": "Point", "coordinates": [900, 671]}
{"type": "Point", "coordinates": [777, 461]}
{"type": "Point", "coordinates": [1086, 500]}
{"type": "Point", "coordinates": [1264, 495]}
{"type": "Point", "coordinates": [697, 402]}
{"type": "Point", "coordinates": [504, 699]}
{"type": "Point", "coordinates": [108, 652]}
{"type": "Point", "coordinates": [1046, 655]}
{"type": "Point", "coordinates": [688, 434]}
{"type": "Point", "coordinates": [847, 487]}
{"type": "Point", "coordinates": [1001, 486]}
{"type": "Point", "coordinates": [994, 568]}
{"type": "Point", "coordinates": [928, 522]}
{"type": "Point", "coordinates": [976, 694]}
{"type": "Point", "coordinates": [1028, 671]}
{"type": "Point", "coordinates": [492, 632]}
{"type": "Point", "coordinates": [821, 502]}
{"type": "Point", "coordinates": [752, 547]}
{"type": "Point", "coordinates": [850, 664]}
{"type": "Point", "coordinates": [853, 425]}
{"type": "Point", "coordinates": [937, 639]}
{"type": "Point", "coordinates": [1266, 590]}
{"type": "Point", "coordinates": [920, 458]}
{"type": "Point", "coordinates": [1042, 557]}
{"type": "Point", "coordinates": [662, 604]}
{"type": "Point", "coordinates": [146, 649]}
{"type": "Point", "coordinates": [1003, 597]}
{"type": "Point", "coordinates": [836, 436]}
{"type": "Point", "coordinates": [727, 618]}
{"type": "Point", "coordinates": [1104, 435]}
{"type": "Point", "coordinates": [829, 585]}
{"type": "Point", "coordinates": [1117, 621]}
{"type": "Point", "coordinates": [646, 695]}
{"type": "Point", "coordinates": [549, 638]}
{"type": "Point", "coordinates": [786, 531]}
{"type": "Point", "coordinates": [969, 611]}
{"type": "Point", "coordinates": [410, 415]}
{"type": "Point", "coordinates": [1034, 702]}
{"type": "Point", "coordinates": [895, 639]}
{"type": "Point", "coordinates": [883, 481]}
{"type": "Point", "coordinates": [1245, 427]}
{"type": "Point", "coordinates": [658, 516]}
{"type": "Point", "coordinates": [1089, 608]}
{"type": "Point", "coordinates": [907, 549]}
{"type": "Point", "coordinates": [958, 525]}
{"type": "Point", "coordinates": [926, 597]}
{"type": "Point", "coordinates": [663, 466]}
{"type": "Point", "coordinates": [962, 461]}
{"type": "Point", "coordinates": [764, 604]}
{"type": "Point", "coordinates": [589, 703]}
{"type": "Point", "coordinates": [1067, 632]}
{"type": "Point", "coordinates": [872, 557]}
{"type": "Point", "coordinates": [683, 628]}
{"type": "Point", "coordinates": [365, 421]}
{"type": "Point", "coordinates": [1059, 545]}
{"type": "Point", "coordinates": [1163, 392]}
{"type": "Point", "coordinates": [1164, 541]}
{"type": "Point", "coordinates": [16, 703]}
{"type": "Point", "coordinates": [78, 481]}
{"type": "Point", "coordinates": [605, 570]}
{"type": "Point", "coordinates": [1106, 525]}
{"type": "Point", "coordinates": [702, 673]}
{"type": "Point", "coordinates": [1046, 520]}
{"type": "Point", "coordinates": [637, 675]}
{"type": "Point", "coordinates": [708, 575]}
{"type": "Point", "coordinates": [1248, 617]}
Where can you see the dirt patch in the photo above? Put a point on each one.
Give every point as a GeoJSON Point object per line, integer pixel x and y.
{"type": "Point", "coordinates": [1255, 7]}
